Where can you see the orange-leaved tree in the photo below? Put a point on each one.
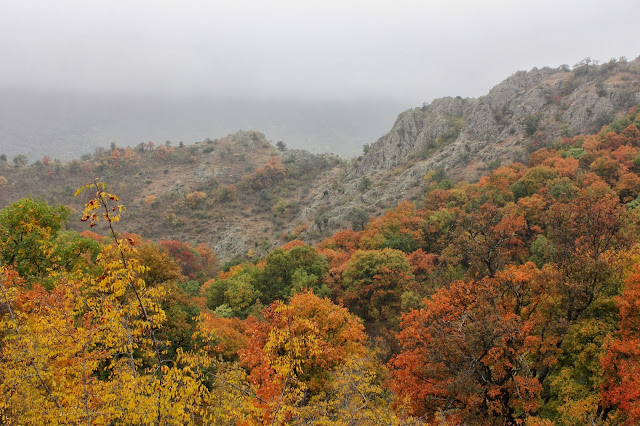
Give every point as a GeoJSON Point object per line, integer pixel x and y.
{"type": "Point", "coordinates": [621, 361]}
{"type": "Point", "coordinates": [292, 355]}
{"type": "Point", "coordinates": [464, 356]}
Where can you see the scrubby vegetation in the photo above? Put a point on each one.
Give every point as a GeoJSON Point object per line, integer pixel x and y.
{"type": "Point", "coordinates": [237, 182]}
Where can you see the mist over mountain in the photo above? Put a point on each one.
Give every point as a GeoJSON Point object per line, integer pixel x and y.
{"type": "Point", "coordinates": [64, 125]}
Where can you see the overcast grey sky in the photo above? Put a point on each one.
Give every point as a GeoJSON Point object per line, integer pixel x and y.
{"type": "Point", "coordinates": [409, 50]}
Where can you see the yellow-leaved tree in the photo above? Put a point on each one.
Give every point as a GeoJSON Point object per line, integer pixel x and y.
{"type": "Point", "coordinates": [87, 351]}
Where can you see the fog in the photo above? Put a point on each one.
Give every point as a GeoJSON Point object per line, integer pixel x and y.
{"type": "Point", "coordinates": [324, 75]}
{"type": "Point", "coordinates": [66, 125]}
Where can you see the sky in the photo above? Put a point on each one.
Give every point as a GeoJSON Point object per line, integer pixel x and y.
{"type": "Point", "coordinates": [406, 50]}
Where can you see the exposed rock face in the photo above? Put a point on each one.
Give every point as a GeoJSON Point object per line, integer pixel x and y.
{"type": "Point", "coordinates": [414, 131]}
{"type": "Point", "coordinates": [308, 161]}
{"type": "Point", "coordinates": [231, 243]}
{"type": "Point", "coordinates": [463, 136]}
{"type": "Point", "coordinates": [248, 139]}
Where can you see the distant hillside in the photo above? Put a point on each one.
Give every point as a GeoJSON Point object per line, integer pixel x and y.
{"type": "Point", "coordinates": [243, 196]}
{"type": "Point", "coordinates": [238, 193]}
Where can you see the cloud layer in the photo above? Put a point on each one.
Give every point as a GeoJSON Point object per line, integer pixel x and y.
{"type": "Point", "coordinates": [409, 50]}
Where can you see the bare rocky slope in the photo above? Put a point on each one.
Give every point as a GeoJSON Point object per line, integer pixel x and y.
{"type": "Point", "coordinates": [211, 192]}
{"type": "Point", "coordinates": [466, 137]}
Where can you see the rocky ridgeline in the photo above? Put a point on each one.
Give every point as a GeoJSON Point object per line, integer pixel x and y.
{"type": "Point", "coordinates": [196, 193]}
{"type": "Point", "coordinates": [467, 137]}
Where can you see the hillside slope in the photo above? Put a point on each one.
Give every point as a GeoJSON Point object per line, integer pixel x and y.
{"type": "Point", "coordinates": [236, 194]}
{"type": "Point", "coordinates": [242, 196]}
{"type": "Point", "coordinates": [466, 137]}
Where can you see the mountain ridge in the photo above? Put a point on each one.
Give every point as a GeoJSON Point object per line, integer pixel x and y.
{"type": "Point", "coordinates": [211, 192]}
{"type": "Point", "coordinates": [466, 136]}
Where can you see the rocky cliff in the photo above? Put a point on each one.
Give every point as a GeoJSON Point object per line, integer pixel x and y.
{"type": "Point", "coordinates": [465, 137]}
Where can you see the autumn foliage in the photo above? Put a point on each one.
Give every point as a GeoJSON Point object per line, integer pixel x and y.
{"type": "Point", "coordinates": [621, 361]}
{"type": "Point", "coordinates": [512, 300]}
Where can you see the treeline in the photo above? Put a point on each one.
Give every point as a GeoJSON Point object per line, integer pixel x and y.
{"type": "Point", "coordinates": [513, 300]}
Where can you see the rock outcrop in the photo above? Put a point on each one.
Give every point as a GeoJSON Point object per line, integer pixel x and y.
{"type": "Point", "coordinates": [465, 137]}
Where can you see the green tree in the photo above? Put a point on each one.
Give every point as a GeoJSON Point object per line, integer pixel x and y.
{"type": "Point", "coordinates": [365, 184]}
{"type": "Point", "coordinates": [531, 124]}
{"type": "Point", "coordinates": [276, 280]}
{"type": "Point", "coordinates": [237, 293]}
{"type": "Point", "coordinates": [373, 282]}
{"type": "Point", "coordinates": [20, 160]}
{"type": "Point", "coordinates": [27, 232]}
